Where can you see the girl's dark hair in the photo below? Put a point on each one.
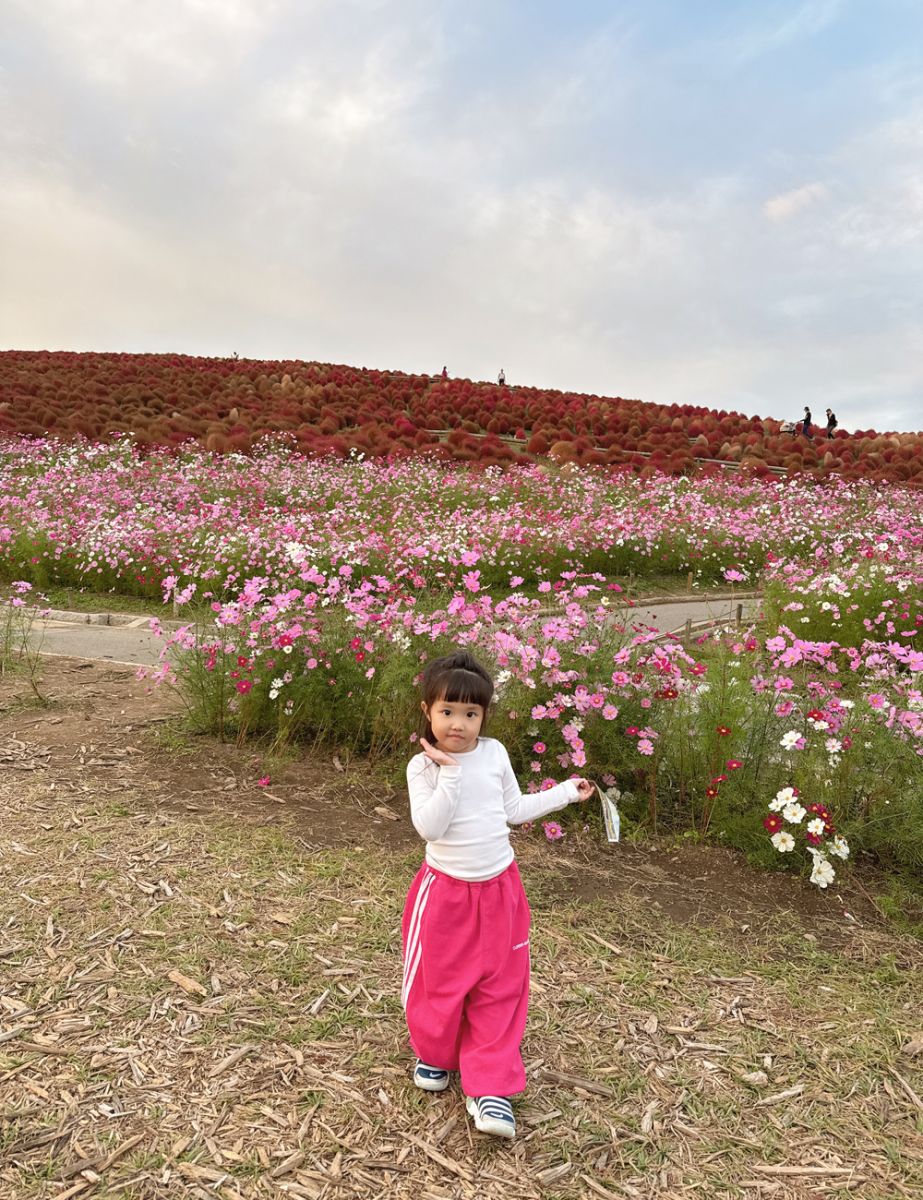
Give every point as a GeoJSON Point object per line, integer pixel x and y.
{"type": "Point", "coordinates": [458, 678]}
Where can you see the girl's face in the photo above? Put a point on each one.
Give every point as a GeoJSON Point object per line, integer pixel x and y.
{"type": "Point", "coordinates": [455, 725]}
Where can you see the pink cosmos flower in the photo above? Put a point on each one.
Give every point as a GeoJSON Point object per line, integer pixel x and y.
{"type": "Point", "coordinates": [244, 686]}
{"type": "Point", "coordinates": [553, 831]}
{"type": "Point", "coordinates": [539, 747]}
{"type": "Point", "coordinates": [263, 781]}
{"type": "Point", "coordinates": [645, 746]}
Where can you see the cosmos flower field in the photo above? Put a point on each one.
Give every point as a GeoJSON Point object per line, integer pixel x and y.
{"type": "Point", "coordinates": [316, 587]}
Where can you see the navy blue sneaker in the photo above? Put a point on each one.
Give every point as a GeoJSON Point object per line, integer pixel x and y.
{"type": "Point", "coordinates": [430, 1079]}
{"type": "Point", "coordinates": [492, 1114]}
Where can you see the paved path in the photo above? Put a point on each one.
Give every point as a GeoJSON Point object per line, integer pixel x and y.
{"type": "Point", "coordinates": [126, 644]}
{"type": "Point", "coordinates": [133, 643]}
{"type": "Point", "coordinates": [671, 617]}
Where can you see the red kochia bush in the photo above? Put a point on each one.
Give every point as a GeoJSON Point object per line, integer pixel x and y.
{"type": "Point", "coordinates": [229, 404]}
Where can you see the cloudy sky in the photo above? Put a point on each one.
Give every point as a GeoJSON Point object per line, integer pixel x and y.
{"type": "Point", "coordinates": [716, 202]}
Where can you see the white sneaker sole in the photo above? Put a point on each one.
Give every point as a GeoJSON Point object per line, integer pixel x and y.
{"type": "Point", "coordinates": [431, 1085]}
{"type": "Point", "coordinates": [489, 1125]}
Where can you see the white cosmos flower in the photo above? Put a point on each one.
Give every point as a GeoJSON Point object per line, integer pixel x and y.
{"type": "Point", "coordinates": [783, 841]}
{"type": "Point", "coordinates": [816, 826]}
{"type": "Point", "coordinates": [790, 740]}
{"type": "Point", "coordinates": [794, 813]}
{"type": "Point", "coordinates": [823, 873]}
{"type": "Point", "coordinates": [785, 796]}
{"type": "Point", "coordinates": [833, 745]}
{"type": "Point", "coordinates": [840, 847]}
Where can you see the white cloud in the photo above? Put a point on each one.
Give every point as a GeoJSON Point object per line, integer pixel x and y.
{"type": "Point", "coordinates": [886, 213]}
{"type": "Point", "coordinates": [806, 21]}
{"type": "Point", "coordinates": [162, 42]}
{"type": "Point", "coordinates": [786, 204]}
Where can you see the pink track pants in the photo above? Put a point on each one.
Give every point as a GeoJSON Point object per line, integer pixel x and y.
{"type": "Point", "coordinates": [466, 977]}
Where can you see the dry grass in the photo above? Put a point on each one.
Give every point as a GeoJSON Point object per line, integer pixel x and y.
{"type": "Point", "coordinates": [197, 1006]}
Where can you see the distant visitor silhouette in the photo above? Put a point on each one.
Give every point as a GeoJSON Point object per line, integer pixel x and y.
{"type": "Point", "coordinates": [501, 378]}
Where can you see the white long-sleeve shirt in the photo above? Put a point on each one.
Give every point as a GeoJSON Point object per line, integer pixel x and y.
{"type": "Point", "coordinates": [465, 812]}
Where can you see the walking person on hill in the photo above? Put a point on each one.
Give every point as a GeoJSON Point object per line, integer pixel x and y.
{"type": "Point", "coordinates": [466, 920]}
{"type": "Point", "coordinates": [501, 378]}
{"type": "Point", "coordinates": [806, 426]}
{"type": "Point", "coordinates": [831, 422]}
{"type": "Point", "coordinates": [445, 372]}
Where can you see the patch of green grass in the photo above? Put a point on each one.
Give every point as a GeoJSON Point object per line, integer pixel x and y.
{"type": "Point", "coordinates": [173, 737]}
{"type": "Point", "coordinates": [902, 903]}
{"type": "Point", "coordinates": [27, 701]}
{"type": "Point", "coordinates": [86, 600]}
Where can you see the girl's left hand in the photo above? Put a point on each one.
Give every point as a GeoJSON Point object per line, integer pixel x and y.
{"type": "Point", "coordinates": [585, 789]}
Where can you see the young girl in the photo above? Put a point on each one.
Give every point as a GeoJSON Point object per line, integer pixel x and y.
{"type": "Point", "coordinates": [466, 921]}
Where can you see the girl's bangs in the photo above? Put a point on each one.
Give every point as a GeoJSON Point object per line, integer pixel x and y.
{"type": "Point", "coordinates": [459, 686]}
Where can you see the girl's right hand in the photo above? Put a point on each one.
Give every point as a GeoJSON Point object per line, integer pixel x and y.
{"type": "Point", "coordinates": [438, 756]}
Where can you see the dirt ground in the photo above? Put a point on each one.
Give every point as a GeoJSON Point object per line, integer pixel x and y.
{"type": "Point", "coordinates": [199, 981]}
{"type": "Point", "coordinates": [106, 731]}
